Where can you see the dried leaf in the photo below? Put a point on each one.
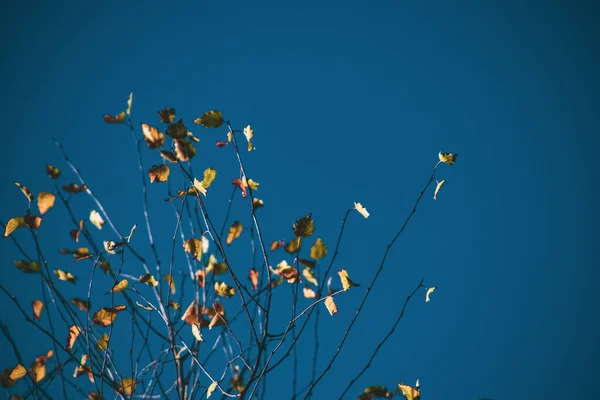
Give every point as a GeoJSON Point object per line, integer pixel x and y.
{"type": "Point", "coordinates": [174, 305]}
{"type": "Point", "coordinates": [37, 306]}
{"type": "Point", "coordinates": [307, 263]}
{"type": "Point", "coordinates": [318, 250]}
{"type": "Point", "coordinates": [184, 149]}
{"type": "Point", "coordinates": [65, 276]}
{"type": "Point", "coordinates": [210, 119]}
{"type": "Point", "coordinates": [200, 277]}
{"type": "Point", "coordinates": [447, 158]}
{"type": "Point", "coordinates": [38, 368]}
{"type": "Point", "coordinates": [330, 304]}
{"type": "Point", "coordinates": [82, 369]}
{"type": "Point", "coordinates": [25, 191]}
{"type": "Point", "coordinates": [177, 130]}
{"type": "Point", "coordinates": [169, 156]}
{"type": "Point", "coordinates": [149, 280]}
{"type": "Point", "coordinates": [119, 287]}
{"type": "Point", "coordinates": [96, 219]}
{"type": "Point", "coordinates": [81, 254]}
{"type": "Point", "coordinates": [304, 227]}
{"type": "Point", "coordinates": [167, 115]}
{"type": "Point", "coordinates": [309, 293]}
{"type": "Point", "coordinates": [248, 132]}
{"type": "Point", "coordinates": [129, 103]}
{"type": "Point", "coordinates": [293, 245]}
{"type": "Point", "coordinates": [237, 382]}
{"type": "Point", "coordinates": [224, 290]}
{"type": "Point", "coordinates": [410, 392]}
{"type": "Point", "coordinates": [28, 267]}
{"type": "Point", "coordinates": [277, 244]}
{"type": "Point", "coordinates": [363, 211]}
{"type": "Point", "coordinates": [214, 267]}
{"type": "Point", "coordinates": [102, 343]}
{"type": "Point", "coordinates": [209, 176]}
{"type": "Point", "coordinates": [252, 184]}
{"type": "Point", "coordinates": [169, 279]}
{"type": "Point", "coordinates": [194, 247]}
{"type": "Point", "coordinates": [105, 267]}
{"type": "Point", "coordinates": [199, 187]}
{"type": "Point", "coordinates": [253, 276]}
{"type": "Point", "coordinates": [429, 291]}
{"type": "Point", "coordinates": [257, 203]}
{"type": "Point", "coordinates": [240, 183]}
{"type": "Point", "coordinates": [81, 304]}
{"type": "Point", "coordinates": [106, 315]}
{"type": "Point", "coordinates": [309, 275]}
{"type": "Point", "coordinates": [76, 232]}
{"type": "Point", "coordinates": [196, 331]}
{"type": "Point", "coordinates": [192, 314]}
{"type": "Point", "coordinates": [235, 230]}
{"type": "Point", "coordinates": [118, 119]}
{"type": "Point", "coordinates": [211, 389]}
{"type": "Point", "coordinates": [32, 221]}
{"type": "Point", "coordinates": [74, 331]}
{"type": "Point", "coordinates": [346, 281]}
{"type": "Point", "coordinates": [159, 173]}
{"type": "Point", "coordinates": [147, 308]}
{"type": "Point", "coordinates": [52, 172]}
{"type": "Point", "coordinates": [438, 187]}
{"type": "Point", "coordinates": [14, 223]}
{"type": "Point", "coordinates": [152, 136]}
{"type": "Point", "coordinates": [127, 386]}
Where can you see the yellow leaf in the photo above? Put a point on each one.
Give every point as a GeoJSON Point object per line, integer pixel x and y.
{"type": "Point", "coordinates": [177, 130]}
{"type": "Point", "coordinates": [199, 187]}
{"type": "Point", "coordinates": [447, 158]}
{"type": "Point", "coordinates": [12, 224]}
{"type": "Point", "coordinates": [257, 203]}
{"type": "Point", "coordinates": [318, 250]}
{"type": "Point", "coordinates": [159, 173]}
{"type": "Point", "coordinates": [38, 368]}
{"type": "Point", "coordinates": [194, 247]}
{"type": "Point", "coordinates": [18, 372]}
{"type": "Point", "coordinates": [129, 103]}
{"type": "Point", "coordinates": [346, 281]}
{"type": "Point", "coordinates": [438, 187]}
{"type": "Point", "coordinates": [210, 119]}
{"type": "Point", "coordinates": [74, 188]}
{"type": "Point", "coordinates": [248, 132]}
{"type": "Point", "coordinates": [174, 305]}
{"type": "Point", "coordinates": [184, 149]}
{"type": "Point", "coordinates": [28, 266]}
{"type": "Point", "coordinates": [9, 377]}
{"type": "Point", "coordinates": [149, 280]}
{"type": "Point", "coordinates": [429, 291]}
{"type": "Point", "coordinates": [65, 276]}
{"type": "Point", "coordinates": [127, 386]}
{"type": "Point", "coordinates": [76, 232]}
{"type": "Point", "coordinates": [37, 306]}
{"type": "Point", "coordinates": [96, 219]}
{"type": "Point", "coordinates": [106, 315]}
{"type": "Point", "coordinates": [309, 275]}
{"type": "Point", "coordinates": [119, 287]}
{"type": "Point", "coordinates": [235, 230]}
{"type": "Point", "coordinates": [102, 343]}
{"type": "Point", "coordinates": [81, 253]}
{"type": "Point", "coordinates": [211, 389]}
{"type": "Point", "coordinates": [196, 331]}
{"type": "Point", "coordinates": [81, 304]}
{"type": "Point", "coordinates": [53, 172]}
{"type": "Point", "coordinates": [304, 227]}
{"type": "Point", "coordinates": [253, 184]}
{"type": "Point", "coordinates": [171, 283]}
{"type": "Point", "coordinates": [363, 211]}
{"type": "Point", "coordinates": [82, 369]}
{"type": "Point", "coordinates": [224, 290]}
{"type": "Point", "coordinates": [214, 267]}
{"type": "Point", "coordinates": [45, 201]}
{"type": "Point", "coordinates": [209, 176]}
{"type": "Point", "coordinates": [74, 331]}
{"type": "Point", "coordinates": [330, 304]}
{"type": "Point", "coordinates": [293, 245]}
{"type": "Point", "coordinates": [147, 308]}
{"type": "Point", "coordinates": [253, 276]}
{"type": "Point", "coordinates": [167, 115]}
{"type": "Point", "coordinates": [152, 136]}
{"type": "Point", "coordinates": [309, 293]}
{"type": "Point", "coordinates": [25, 191]}
{"type": "Point", "coordinates": [277, 244]}
{"type": "Point", "coordinates": [410, 392]}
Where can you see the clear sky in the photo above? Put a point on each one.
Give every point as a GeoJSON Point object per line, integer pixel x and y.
{"type": "Point", "coordinates": [349, 101]}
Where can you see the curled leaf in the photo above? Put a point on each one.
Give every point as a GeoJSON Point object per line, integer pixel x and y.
{"type": "Point", "coordinates": [248, 132]}
{"type": "Point", "coordinates": [74, 331]}
{"type": "Point", "coordinates": [129, 103]}
{"type": "Point", "coordinates": [330, 305]}
{"type": "Point", "coordinates": [199, 187]}
{"type": "Point", "coordinates": [169, 156]}
{"type": "Point", "coordinates": [191, 314]}
{"type": "Point", "coordinates": [211, 389]}
{"type": "Point", "coordinates": [76, 232]}
{"type": "Point", "coordinates": [277, 244]}
{"type": "Point", "coordinates": [149, 280]}
{"type": "Point", "coordinates": [167, 115]}
{"type": "Point", "coordinates": [83, 305]}
{"type": "Point", "coordinates": [235, 230]}
{"type": "Point", "coordinates": [194, 247]}
{"type": "Point", "coordinates": [118, 119]}
{"type": "Point", "coordinates": [37, 306]}
{"type": "Point", "coordinates": [252, 184]}
{"type": "Point", "coordinates": [197, 332]}
{"type": "Point", "coordinates": [119, 287]}
{"type": "Point", "coordinates": [45, 201]}
{"type": "Point", "coordinates": [210, 119]}
{"type": "Point", "coordinates": [38, 368]}
{"type": "Point", "coordinates": [429, 291]}
{"type": "Point", "coordinates": [96, 219]}
{"type": "Point", "coordinates": [438, 187]}
{"type": "Point", "coordinates": [363, 211]}
{"type": "Point", "coordinates": [159, 173]}
{"type": "Point", "coordinates": [346, 281]}
{"type": "Point", "coordinates": [257, 203]}
{"type": "Point", "coordinates": [240, 183]}
{"type": "Point", "coordinates": [447, 158]}
{"type": "Point", "coordinates": [411, 393]}
{"type": "Point", "coordinates": [65, 276]}
{"type": "Point", "coordinates": [253, 276]}
{"type": "Point", "coordinates": [52, 172]}
{"type": "Point", "coordinates": [152, 136]}
{"type": "Point", "coordinates": [224, 290]}
{"type": "Point", "coordinates": [25, 191]}
{"type": "Point", "coordinates": [106, 315]}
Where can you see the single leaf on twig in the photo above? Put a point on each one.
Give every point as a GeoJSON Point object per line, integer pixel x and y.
{"type": "Point", "coordinates": [235, 230]}
{"type": "Point", "coordinates": [65, 276]}
{"type": "Point", "coordinates": [119, 287]}
{"type": "Point", "coordinates": [224, 290]}
{"type": "Point", "coordinates": [438, 187]}
{"type": "Point", "coordinates": [149, 280]}
{"type": "Point", "coordinates": [429, 291]}
{"type": "Point", "coordinates": [184, 149]}
{"type": "Point", "coordinates": [211, 389]}
{"type": "Point", "coordinates": [152, 136]}
{"type": "Point", "coordinates": [74, 188]}
{"type": "Point", "coordinates": [318, 250]}
{"type": "Point", "coordinates": [293, 245]}
{"type": "Point", "coordinates": [52, 172]}
{"type": "Point", "coordinates": [309, 293]}
{"type": "Point", "coordinates": [45, 201]}
{"type": "Point", "coordinates": [83, 305]}
{"type": "Point", "coordinates": [14, 223]}
{"type": "Point", "coordinates": [102, 343]}
{"type": "Point", "coordinates": [277, 244]}
{"type": "Point", "coordinates": [210, 119]}
{"type": "Point", "coordinates": [117, 119]}
{"type": "Point", "coordinates": [74, 331]}
{"type": "Point", "coordinates": [330, 304]}
{"type": "Point", "coordinates": [167, 115]}
{"type": "Point", "coordinates": [38, 368]}
{"type": "Point", "coordinates": [248, 132]}
{"type": "Point", "coordinates": [447, 158]}
{"type": "Point", "coordinates": [241, 184]}
{"type": "Point", "coordinates": [96, 219]}
{"type": "Point", "coordinates": [363, 211]}
{"type": "Point", "coordinates": [411, 393]}
{"type": "Point", "coordinates": [28, 266]}
{"type": "Point", "coordinates": [209, 176]}
{"type": "Point", "coordinates": [25, 191]}
{"type": "Point", "coordinates": [346, 281]}
{"type": "Point", "coordinates": [304, 227]}
{"type": "Point", "coordinates": [309, 275]}
{"type": "Point", "coordinates": [253, 276]}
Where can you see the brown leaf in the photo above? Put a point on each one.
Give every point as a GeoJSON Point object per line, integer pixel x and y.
{"type": "Point", "coordinates": [74, 188]}
{"type": "Point", "coordinates": [159, 173]}
{"type": "Point", "coordinates": [53, 172]}
{"type": "Point", "coordinates": [184, 149]}
{"type": "Point", "coordinates": [253, 276]}
{"type": "Point", "coordinates": [118, 119]}
{"type": "Point", "coordinates": [65, 276]}
{"type": "Point", "coordinates": [304, 227]}
{"type": "Point", "coordinates": [76, 232]}
{"type": "Point", "coordinates": [25, 191]}
{"type": "Point", "coordinates": [81, 304]}
{"type": "Point", "coordinates": [152, 136]}
{"type": "Point", "coordinates": [235, 230]}
{"type": "Point", "coordinates": [45, 201]}
{"type": "Point", "coordinates": [37, 306]}
{"type": "Point", "coordinates": [167, 115]}
{"type": "Point", "coordinates": [74, 331]}
{"type": "Point", "coordinates": [239, 183]}
{"type": "Point", "coordinates": [106, 315]}
{"type": "Point", "coordinates": [277, 244]}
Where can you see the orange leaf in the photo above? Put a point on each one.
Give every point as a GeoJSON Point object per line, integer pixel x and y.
{"type": "Point", "coordinates": [109, 119]}
{"type": "Point", "coordinates": [235, 230]}
{"type": "Point", "coordinates": [45, 201]}
{"type": "Point", "coordinates": [37, 306]}
{"type": "Point", "coordinates": [253, 276]}
{"type": "Point", "coordinates": [239, 183]}
{"type": "Point", "coordinates": [277, 244]}
{"type": "Point", "coordinates": [106, 316]}
{"type": "Point", "coordinates": [330, 304]}
{"type": "Point", "coordinates": [74, 331]}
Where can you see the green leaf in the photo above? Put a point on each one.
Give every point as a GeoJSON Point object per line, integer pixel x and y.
{"type": "Point", "coordinates": [28, 267]}
{"type": "Point", "coordinates": [318, 250]}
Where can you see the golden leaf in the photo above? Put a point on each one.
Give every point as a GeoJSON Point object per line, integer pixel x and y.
{"type": "Point", "coordinates": [152, 136]}
{"type": "Point", "coordinates": [438, 187]}
{"type": "Point", "coordinates": [199, 187]}
{"type": "Point", "coordinates": [184, 149]}
{"type": "Point", "coordinates": [196, 331]}
{"type": "Point", "coordinates": [174, 305]}
{"type": "Point", "coordinates": [192, 314]}
{"type": "Point", "coordinates": [177, 130]}
{"type": "Point", "coordinates": [9, 377]}
{"type": "Point", "coordinates": [214, 267]}
{"type": "Point", "coordinates": [304, 227]}
{"type": "Point", "coordinates": [167, 115]}
{"type": "Point", "coordinates": [210, 119]}
{"type": "Point", "coordinates": [81, 253]}
{"type": "Point", "coordinates": [74, 188]}
{"type": "Point", "coordinates": [106, 315]}
{"type": "Point", "coordinates": [224, 290]}
{"type": "Point", "coordinates": [252, 184]}
{"type": "Point", "coordinates": [169, 156]}
{"type": "Point", "coordinates": [147, 308]}
{"type": "Point", "coordinates": [129, 103]}
{"type": "Point", "coordinates": [28, 266]}
{"type": "Point", "coordinates": [257, 203]}
{"type": "Point", "coordinates": [318, 250]}
{"type": "Point", "coordinates": [12, 224]}
{"type": "Point", "coordinates": [235, 230]}
{"type": "Point", "coordinates": [447, 158]}
{"type": "Point", "coordinates": [38, 368]}
{"type": "Point", "coordinates": [363, 211]}
{"type": "Point", "coordinates": [211, 389]}
{"type": "Point", "coordinates": [346, 281]}
{"type": "Point", "coordinates": [194, 247]}
{"type": "Point", "coordinates": [119, 287]}
{"type": "Point", "coordinates": [37, 306]}
{"type": "Point", "coordinates": [127, 386]}
{"type": "Point", "coordinates": [171, 283]}
{"type": "Point", "coordinates": [253, 276]}
{"type": "Point", "coordinates": [429, 291]}
{"type": "Point", "coordinates": [74, 331]}
{"type": "Point", "coordinates": [248, 132]}
{"type": "Point", "coordinates": [293, 245]}
{"type": "Point", "coordinates": [159, 173]}
{"type": "Point", "coordinates": [410, 392]}
{"type": "Point", "coordinates": [309, 293]}
{"type": "Point", "coordinates": [96, 219]}
{"type": "Point", "coordinates": [309, 275]}
{"type": "Point", "coordinates": [25, 191]}
{"type": "Point", "coordinates": [330, 304]}
{"type": "Point", "coordinates": [209, 176]}
{"type": "Point", "coordinates": [76, 232]}
{"type": "Point", "coordinates": [65, 276]}
{"type": "Point", "coordinates": [52, 172]}
{"type": "Point", "coordinates": [45, 201]}
{"type": "Point", "coordinates": [81, 304]}
{"type": "Point", "coordinates": [149, 280]}
{"type": "Point", "coordinates": [102, 343]}
{"type": "Point", "coordinates": [277, 244]}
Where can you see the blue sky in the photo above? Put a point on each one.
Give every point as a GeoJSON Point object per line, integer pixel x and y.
{"type": "Point", "coordinates": [349, 102]}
